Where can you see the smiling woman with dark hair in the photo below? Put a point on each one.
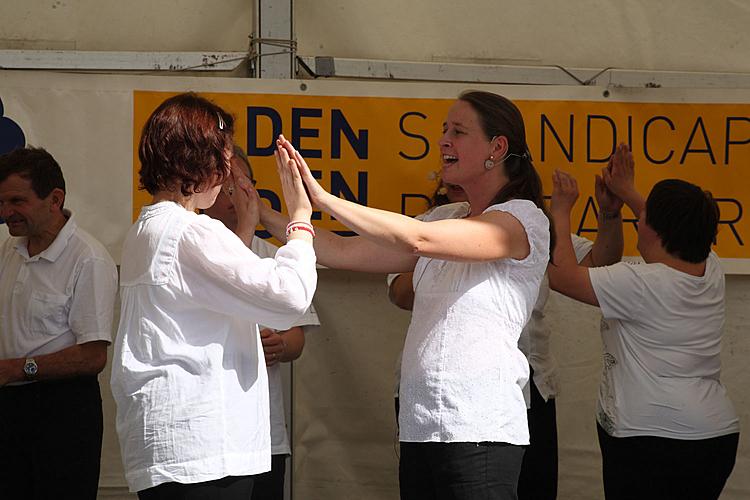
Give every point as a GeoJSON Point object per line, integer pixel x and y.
{"type": "Point", "coordinates": [188, 374]}
{"type": "Point", "coordinates": [477, 269]}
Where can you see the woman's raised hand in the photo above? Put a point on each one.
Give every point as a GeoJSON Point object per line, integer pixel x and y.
{"type": "Point", "coordinates": [296, 199]}
{"type": "Point", "coordinates": [244, 197]}
{"type": "Point", "coordinates": [564, 193]}
{"type": "Point", "coordinates": [620, 174]}
{"type": "Point", "coordinates": [608, 202]}
{"type": "Point", "coordinates": [316, 192]}
{"type": "Point", "coordinates": [620, 179]}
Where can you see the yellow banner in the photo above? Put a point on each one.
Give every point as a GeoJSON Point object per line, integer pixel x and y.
{"type": "Point", "coordinates": [382, 151]}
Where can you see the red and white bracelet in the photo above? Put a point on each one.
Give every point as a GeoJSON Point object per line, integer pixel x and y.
{"type": "Point", "coordinates": [299, 226]}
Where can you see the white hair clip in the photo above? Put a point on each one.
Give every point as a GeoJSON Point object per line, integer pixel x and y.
{"type": "Point", "coordinates": [222, 125]}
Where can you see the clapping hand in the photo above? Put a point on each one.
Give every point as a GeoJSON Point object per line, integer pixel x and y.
{"type": "Point", "coordinates": [609, 203]}
{"type": "Point", "coordinates": [619, 176]}
{"type": "Point", "coordinates": [289, 168]}
{"type": "Point", "coordinates": [244, 197]}
{"type": "Point", "coordinates": [317, 193]}
{"type": "Point", "coordinates": [564, 193]}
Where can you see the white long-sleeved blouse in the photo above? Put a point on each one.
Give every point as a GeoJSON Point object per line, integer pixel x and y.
{"type": "Point", "coordinates": [188, 374]}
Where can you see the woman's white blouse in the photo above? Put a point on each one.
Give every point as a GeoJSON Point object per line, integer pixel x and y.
{"type": "Point", "coordinates": [188, 374]}
{"type": "Point", "coordinates": [462, 372]}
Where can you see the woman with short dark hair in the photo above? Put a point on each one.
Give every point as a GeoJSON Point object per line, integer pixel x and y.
{"type": "Point", "coordinates": [188, 374]}
{"type": "Point", "coordinates": [667, 429]}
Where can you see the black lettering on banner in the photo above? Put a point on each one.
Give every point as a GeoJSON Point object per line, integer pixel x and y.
{"type": "Point", "coordinates": [340, 187]}
{"type": "Point", "coordinates": [730, 222]}
{"type": "Point", "coordinates": [630, 132]}
{"type": "Point", "coordinates": [613, 129]}
{"type": "Point", "coordinates": [422, 138]}
{"type": "Point", "coordinates": [406, 196]}
{"type": "Point", "coordinates": [633, 221]}
{"type": "Point", "coordinates": [645, 139]}
{"type": "Point", "coordinates": [253, 114]}
{"type": "Point", "coordinates": [298, 132]}
{"type": "Point", "coordinates": [708, 149]}
{"type": "Point", "coordinates": [358, 142]}
{"type": "Point", "coordinates": [589, 206]}
{"type": "Point", "coordinates": [728, 136]}
{"type": "Point", "coordinates": [545, 123]}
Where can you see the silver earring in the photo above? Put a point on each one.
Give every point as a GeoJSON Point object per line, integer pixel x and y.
{"type": "Point", "coordinates": [489, 163]}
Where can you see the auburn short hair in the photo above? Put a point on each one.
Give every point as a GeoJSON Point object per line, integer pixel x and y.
{"type": "Point", "coordinates": [185, 144]}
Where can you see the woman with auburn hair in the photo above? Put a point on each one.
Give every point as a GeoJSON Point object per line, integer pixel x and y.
{"type": "Point", "coordinates": [188, 374]}
{"type": "Point", "coordinates": [477, 270]}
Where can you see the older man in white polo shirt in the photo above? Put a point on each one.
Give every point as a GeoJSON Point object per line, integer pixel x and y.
{"type": "Point", "coordinates": [57, 291]}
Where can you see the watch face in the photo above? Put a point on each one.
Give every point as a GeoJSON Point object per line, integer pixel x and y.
{"type": "Point", "coordinates": [30, 368]}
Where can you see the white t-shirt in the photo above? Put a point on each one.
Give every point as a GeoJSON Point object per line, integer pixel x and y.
{"type": "Point", "coordinates": [662, 343]}
{"type": "Point", "coordinates": [58, 298]}
{"type": "Point", "coordinates": [534, 341]}
{"type": "Point", "coordinates": [188, 374]}
{"type": "Point", "coordinates": [462, 372]}
{"type": "Point", "coordinates": [309, 321]}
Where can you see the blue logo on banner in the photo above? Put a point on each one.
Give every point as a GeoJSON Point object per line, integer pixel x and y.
{"type": "Point", "coordinates": [11, 135]}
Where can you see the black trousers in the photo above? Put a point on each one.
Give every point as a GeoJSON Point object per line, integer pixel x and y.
{"type": "Point", "coordinates": [226, 488]}
{"type": "Point", "coordinates": [647, 467]}
{"type": "Point", "coordinates": [459, 471]}
{"type": "Point", "coordinates": [538, 479]}
{"type": "Point", "coordinates": [51, 439]}
{"type": "Point", "coordinates": [270, 485]}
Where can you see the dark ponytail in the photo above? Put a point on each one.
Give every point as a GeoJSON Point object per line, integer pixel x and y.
{"type": "Point", "coordinates": [500, 117]}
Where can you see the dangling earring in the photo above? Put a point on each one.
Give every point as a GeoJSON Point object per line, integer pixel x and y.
{"type": "Point", "coordinates": [489, 163]}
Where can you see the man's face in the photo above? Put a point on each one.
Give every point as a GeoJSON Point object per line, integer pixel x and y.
{"type": "Point", "coordinates": [223, 209]}
{"type": "Point", "coordinates": [24, 212]}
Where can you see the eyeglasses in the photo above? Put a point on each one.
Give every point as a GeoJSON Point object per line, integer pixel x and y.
{"type": "Point", "coordinates": [228, 189]}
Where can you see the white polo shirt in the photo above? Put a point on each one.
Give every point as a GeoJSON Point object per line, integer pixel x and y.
{"type": "Point", "coordinates": [60, 297]}
{"type": "Point", "coordinates": [188, 373]}
{"type": "Point", "coordinates": [309, 321]}
{"type": "Point", "coordinates": [662, 333]}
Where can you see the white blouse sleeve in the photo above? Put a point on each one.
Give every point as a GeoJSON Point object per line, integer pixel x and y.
{"type": "Point", "coordinates": [219, 272]}
{"type": "Point", "coordinates": [536, 225]}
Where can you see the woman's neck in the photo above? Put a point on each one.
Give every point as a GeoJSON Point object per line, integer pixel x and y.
{"type": "Point", "coordinates": [481, 190]}
{"type": "Point", "coordinates": [187, 202]}
{"type": "Point", "coordinates": [661, 256]}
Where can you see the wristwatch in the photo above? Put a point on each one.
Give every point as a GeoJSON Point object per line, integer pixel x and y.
{"type": "Point", "coordinates": [30, 368]}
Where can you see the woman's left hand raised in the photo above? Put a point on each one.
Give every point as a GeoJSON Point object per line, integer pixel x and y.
{"type": "Point", "coordinates": [245, 199]}
{"type": "Point", "coordinates": [317, 193]}
{"type": "Point", "coordinates": [296, 199]}
{"type": "Point", "coordinates": [608, 201]}
{"type": "Point", "coordinates": [564, 192]}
